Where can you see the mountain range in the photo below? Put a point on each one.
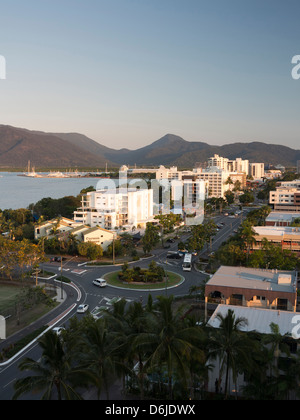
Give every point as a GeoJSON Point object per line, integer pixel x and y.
{"type": "Point", "coordinates": [70, 150]}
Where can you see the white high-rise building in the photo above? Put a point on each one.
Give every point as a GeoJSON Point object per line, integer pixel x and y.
{"type": "Point", "coordinates": [237, 165]}
{"type": "Point", "coordinates": [116, 208]}
{"type": "Point", "coordinates": [219, 162]}
{"type": "Point", "coordinates": [257, 170]}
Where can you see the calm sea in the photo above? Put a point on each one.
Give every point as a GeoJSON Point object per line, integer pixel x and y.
{"type": "Point", "coordinates": [18, 191]}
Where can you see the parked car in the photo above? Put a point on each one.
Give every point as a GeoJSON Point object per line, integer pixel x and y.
{"type": "Point", "coordinates": [100, 282]}
{"type": "Point", "coordinates": [170, 240]}
{"type": "Point", "coordinates": [82, 309]}
{"type": "Point", "coordinates": [57, 259]}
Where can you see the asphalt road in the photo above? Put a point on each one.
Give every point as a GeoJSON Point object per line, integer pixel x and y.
{"type": "Point", "coordinates": [94, 296]}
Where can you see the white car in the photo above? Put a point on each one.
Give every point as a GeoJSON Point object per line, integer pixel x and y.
{"type": "Point", "coordinates": [58, 330]}
{"type": "Point", "coordinates": [82, 309]}
{"type": "Point", "coordinates": [100, 282]}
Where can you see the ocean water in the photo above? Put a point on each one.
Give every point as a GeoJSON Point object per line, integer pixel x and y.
{"type": "Point", "coordinates": [19, 192]}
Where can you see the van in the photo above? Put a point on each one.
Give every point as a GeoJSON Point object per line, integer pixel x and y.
{"type": "Point", "coordinates": [100, 282]}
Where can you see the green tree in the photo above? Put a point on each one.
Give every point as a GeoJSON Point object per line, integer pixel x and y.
{"type": "Point", "coordinates": [53, 374]}
{"type": "Point", "coordinates": [230, 346]}
{"type": "Point", "coordinates": [170, 343]}
{"type": "Point", "coordinates": [247, 234]}
{"type": "Point", "coordinates": [99, 355]}
{"type": "Point", "coordinates": [90, 250]}
{"type": "Point", "coordinates": [150, 238]}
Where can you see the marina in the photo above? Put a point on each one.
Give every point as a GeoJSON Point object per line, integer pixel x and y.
{"type": "Point", "coordinates": [31, 173]}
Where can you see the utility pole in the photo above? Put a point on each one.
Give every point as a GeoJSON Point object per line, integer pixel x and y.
{"type": "Point", "coordinates": [36, 273]}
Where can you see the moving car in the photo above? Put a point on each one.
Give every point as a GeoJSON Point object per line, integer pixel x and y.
{"type": "Point", "coordinates": [100, 282]}
{"type": "Point", "coordinates": [82, 309]}
{"type": "Point", "coordinates": [58, 330]}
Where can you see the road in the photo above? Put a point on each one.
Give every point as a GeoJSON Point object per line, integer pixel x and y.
{"type": "Point", "coordinates": [82, 277]}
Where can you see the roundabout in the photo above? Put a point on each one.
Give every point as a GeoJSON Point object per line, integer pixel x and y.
{"type": "Point", "coordinates": [171, 280]}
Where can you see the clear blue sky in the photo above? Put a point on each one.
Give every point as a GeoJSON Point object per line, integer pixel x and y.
{"type": "Point", "coordinates": [127, 72]}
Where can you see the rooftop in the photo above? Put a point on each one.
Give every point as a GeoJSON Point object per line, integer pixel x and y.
{"type": "Point", "coordinates": [258, 320]}
{"type": "Point", "coordinates": [252, 278]}
{"type": "Point", "coordinates": [277, 230]}
{"type": "Point", "coordinates": [282, 216]}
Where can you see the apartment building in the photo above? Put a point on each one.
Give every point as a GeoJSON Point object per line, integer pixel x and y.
{"type": "Point", "coordinates": [63, 228]}
{"type": "Point", "coordinates": [237, 165]}
{"type": "Point", "coordinates": [257, 170]}
{"type": "Point", "coordinates": [287, 237]}
{"type": "Point", "coordinates": [286, 197]}
{"type": "Point", "coordinates": [171, 174]}
{"type": "Point", "coordinates": [49, 228]}
{"type": "Point", "coordinates": [281, 218]}
{"type": "Point", "coordinates": [250, 287]}
{"type": "Point", "coordinates": [116, 208]}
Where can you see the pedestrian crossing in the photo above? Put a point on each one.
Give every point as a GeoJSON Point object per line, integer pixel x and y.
{"type": "Point", "coordinates": [105, 304]}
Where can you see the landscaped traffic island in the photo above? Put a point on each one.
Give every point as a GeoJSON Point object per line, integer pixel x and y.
{"type": "Point", "coordinates": [153, 278]}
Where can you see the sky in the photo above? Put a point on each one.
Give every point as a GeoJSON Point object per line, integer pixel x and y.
{"type": "Point", "coordinates": [127, 72]}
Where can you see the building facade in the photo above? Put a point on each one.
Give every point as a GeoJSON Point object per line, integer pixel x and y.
{"type": "Point", "coordinates": [257, 170]}
{"type": "Point", "coordinates": [249, 287]}
{"type": "Point", "coordinates": [114, 209]}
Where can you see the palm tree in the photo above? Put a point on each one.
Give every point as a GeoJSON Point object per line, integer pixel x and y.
{"type": "Point", "coordinates": [278, 346]}
{"type": "Point", "coordinates": [72, 243]}
{"type": "Point", "coordinates": [53, 374]}
{"type": "Point", "coordinates": [247, 234]}
{"type": "Point", "coordinates": [99, 355]}
{"type": "Point", "coordinates": [171, 343]}
{"type": "Point", "coordinates": [230, 346]}
{"type": "Point", "coordinates": [137, 323]}
{"type": "Point", "coordinates": [127, 324]}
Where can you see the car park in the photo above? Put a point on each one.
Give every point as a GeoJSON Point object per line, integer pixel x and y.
{"type": "Point", "coordinates": [82, 308]}
{"type": "Point", "coordinates": [100, 282]}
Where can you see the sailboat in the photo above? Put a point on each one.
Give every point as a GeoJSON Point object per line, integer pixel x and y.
{"type": "Point", "coordinates": [30, 173]}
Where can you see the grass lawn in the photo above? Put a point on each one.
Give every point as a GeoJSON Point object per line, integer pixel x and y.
{"type": "Point", "coordinates": [173, 280]}
{"type": "Point", "coordinates": [8, 296]}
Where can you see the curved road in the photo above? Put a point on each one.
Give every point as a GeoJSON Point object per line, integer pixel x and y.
{"type": "Point", "coordinates": [86, 292]}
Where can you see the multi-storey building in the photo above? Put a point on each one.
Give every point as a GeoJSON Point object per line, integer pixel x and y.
{"type": "Point", "coordinates": [252, 287]}
{"type": "Point", "coordinates": [62, 228]}
{"type": "Point", "coordinates": [237, 165]}
{"type": "Point", "coordinates": [287, 237]}
{"type": "Point", "coordinates": [116, 208]}
{"type": "Point", "coordinates": [218, 161]}
{"type": "Point", "coordinates": [286, 197]}
{"type": "Point", "coordinates": [282, 218]}
{"type": "Point", "coordinates": [257, 170]}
